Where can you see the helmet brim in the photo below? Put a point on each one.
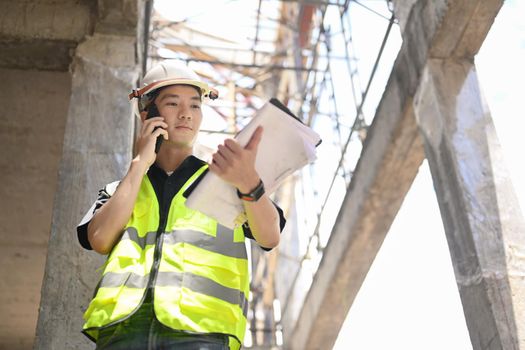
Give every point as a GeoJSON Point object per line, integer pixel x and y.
{"type": "Point", "coordinates": [136, 95]}
{"type": "Point", "coordinates": [206, 91]}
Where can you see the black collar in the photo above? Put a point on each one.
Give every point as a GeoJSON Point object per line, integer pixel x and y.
{"type": "Point", "coordinates": [166, 186]}
{"type": "Point", "coordinates": [189, 165]}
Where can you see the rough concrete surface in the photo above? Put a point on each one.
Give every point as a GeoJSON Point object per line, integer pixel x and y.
{"type": "Point", "coordinates": [480, 211]}
{"type": "Point", "coordinates": [43, 34]}
{"type": "Point", "coordinates": [97, 150]}
{"type": "Point", "coordinates": [50, 20]}
{"type": "Point", "coordinates": [32, 123]}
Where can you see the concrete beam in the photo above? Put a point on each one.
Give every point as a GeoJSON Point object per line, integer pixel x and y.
{"type": "Point", "coordinates": [481, 214]}
{"type": "Point", "coordinates": [48, 55]}
{"type": "Point", "coordinates": [372, 201]}
{"type": "Point", "coordinates": [61, 20]}
{"type": "Point", "coordinates": [97, 149]}
{"type": "Point", "coordinates": [43, 35]}
{"type": "Point", "coordinates": [463, 28]}
{"type": "Point", "coordinates": [388, 164]}
{"type": "Point", "coordinates": [119, 17]}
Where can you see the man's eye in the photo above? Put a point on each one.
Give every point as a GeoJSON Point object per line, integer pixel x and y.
{"type": "Point", "coordinates": [171, 104]}
{"type": "Point", "coordinates": [196, 106]}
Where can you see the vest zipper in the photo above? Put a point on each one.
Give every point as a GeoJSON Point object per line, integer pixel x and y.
{"type": "Point", "coordinates": [156, 256]}
{"type": "Point", "coordinates": [163, 219]}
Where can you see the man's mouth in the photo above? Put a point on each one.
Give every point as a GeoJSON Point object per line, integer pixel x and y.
{"type": "Point", "coordinates": [183, 127]}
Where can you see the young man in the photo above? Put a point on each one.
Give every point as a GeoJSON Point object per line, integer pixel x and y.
{"type": "Point", "coordinates": [174, 278]}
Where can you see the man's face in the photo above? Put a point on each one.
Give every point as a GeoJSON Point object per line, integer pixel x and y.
{"type": "Point", "coordinates": [180, 105]}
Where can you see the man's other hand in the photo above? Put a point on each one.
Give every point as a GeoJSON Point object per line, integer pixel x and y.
{"type": "Point", "coordinates": [236, 165]}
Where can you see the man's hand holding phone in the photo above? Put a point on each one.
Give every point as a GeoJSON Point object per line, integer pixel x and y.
{"type": "Point", "coordinates": [152, 113]}
{"type": "Point", "coordinates": [153, 129]}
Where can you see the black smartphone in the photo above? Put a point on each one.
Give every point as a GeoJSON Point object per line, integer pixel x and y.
{"type": "Point", "coordinates": [154, 112]}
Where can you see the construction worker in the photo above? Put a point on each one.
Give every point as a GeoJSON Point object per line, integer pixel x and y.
{"type": "Point", "coordinates": [174, 277]}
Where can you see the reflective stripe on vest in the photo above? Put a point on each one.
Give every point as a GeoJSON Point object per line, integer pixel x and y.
{"type": "Point", "coordinates": [174, 279]}
{"type": "Point", "coordinates": [221, 244]}
{"type": "Point", "coordinates": [202, 282]}
{"type": "Point", "coordinates": [132, 234]}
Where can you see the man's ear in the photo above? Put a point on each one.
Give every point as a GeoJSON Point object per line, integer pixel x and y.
{"type": "Point", "coordinates": [143, 115]}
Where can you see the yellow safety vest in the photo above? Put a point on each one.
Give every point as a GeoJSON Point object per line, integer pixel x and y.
{"type": "Point", "coordinates": [197, 267]}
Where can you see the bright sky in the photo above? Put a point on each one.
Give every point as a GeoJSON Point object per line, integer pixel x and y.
{"type": "Point", "coordinates": [409, 300]}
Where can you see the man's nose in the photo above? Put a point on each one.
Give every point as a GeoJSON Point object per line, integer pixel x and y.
{"type": "Point", "coordinates": [184, 113]}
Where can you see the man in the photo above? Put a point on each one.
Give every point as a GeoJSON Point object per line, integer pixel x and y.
{"type": "Point", "coordinates": [174, 278]}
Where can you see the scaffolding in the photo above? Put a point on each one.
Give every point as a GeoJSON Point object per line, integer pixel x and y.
{"type": "Point", "coordinates": [310, 55]}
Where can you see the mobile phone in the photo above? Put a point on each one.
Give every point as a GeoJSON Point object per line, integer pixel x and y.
{"type": "Point", "coordinates": [154, 112]}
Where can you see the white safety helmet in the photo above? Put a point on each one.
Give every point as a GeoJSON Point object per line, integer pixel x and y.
{"type": "Point", "coordinates": [164, 74]}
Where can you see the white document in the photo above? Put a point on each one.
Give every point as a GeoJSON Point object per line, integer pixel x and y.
{"type": "Point", "coordinates": [286, 146]}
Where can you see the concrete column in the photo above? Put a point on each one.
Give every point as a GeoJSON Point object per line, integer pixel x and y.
{"type": "Point", "coordinates": [32, 125]}
{"type": "Point", "coordinates": [481, 215]}
{"type": "Point", "coordinates": [97, 150]}
{"type": "Point", "coordinates": [402, 10]}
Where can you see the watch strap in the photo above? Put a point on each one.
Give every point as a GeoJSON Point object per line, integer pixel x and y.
{"type": "Point", "coordinates": [254, 195]}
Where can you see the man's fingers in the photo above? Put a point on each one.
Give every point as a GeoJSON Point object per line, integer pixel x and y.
{"type": "Point", "coordinates": [219, 160]}
{"type": "Point", "coordinates": [152, 120]}
{"type": "Point", "coordinates": [151, 124]}
{"type": "Point", "coordinates": [226, 152]}
{"type": "Point", "coordinates": [159, 132]}
{"type": "Point", "coordinates": [255, 139]}
{"type": "Point", "coordinates": [232, 145]}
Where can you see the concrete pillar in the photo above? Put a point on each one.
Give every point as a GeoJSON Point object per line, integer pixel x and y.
{"type": "Point", "coordinates": [32, 123]}
{"type": "Point", "coordinates": [481, 215]}
{"type": "Point", "coordinates": [96, 150]}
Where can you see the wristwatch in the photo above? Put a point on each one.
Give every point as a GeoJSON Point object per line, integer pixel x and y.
{"type": "Point", "coordinates": [254, 195]}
